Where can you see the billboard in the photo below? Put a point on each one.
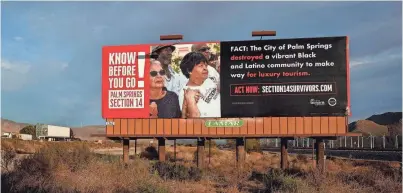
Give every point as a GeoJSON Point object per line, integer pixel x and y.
{"type": "Point", "coordinates": [282, 77]}
{"type": "Point", "coordinates": [285, 77]}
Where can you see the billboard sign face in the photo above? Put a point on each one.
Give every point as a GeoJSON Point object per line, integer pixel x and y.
{"type": "Point", "coordinates": [288, 77]}
{"type": "Point", "coordinates": [284, 77]}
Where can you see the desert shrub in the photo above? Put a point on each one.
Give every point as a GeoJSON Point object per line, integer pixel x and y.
{"type": "Point", "coordinates": [277, 180]}
{"type": "Point", "coordinates": [213, 144]}
{"type": "Point", "coordinates": [302, 158]}
{"type": "Point", "coordinates": [49, 157]}
{"type": "Point", "coordinates": [231, 143]}
{"type": "Point", "coordinates": [316, 179]}
{"type": "Point", "coordinates": [174, 171]}
{"type": "Point", "coordinates": [253, 145]}
{"type": "Point", "coordinates": [383, 167]}
{"type": "Point", "coordinates": [356, 177]}
{"type": "Point", "coordinates": [35, 173]}
{"type": "Point", "coordinates": [373, 179]}
{"type": "Point", "coordinates": [213, 152]}
{"type": "Point", "coordinates": [195, 155]}
{"type": "Point", "coordinates": [150, 153]}
{"type": "Point", "coordinates": [150, 188]}
{"type": "Point", "coordinates": [7, 157]}
{"type": "Point", "coordinates": [143, 187]}
{"type": "Point", "coordinates": [195, 173]}
{"type": "Point", "coordinates": [108, 158]}
{"type": "Point", "coordinates": [21, 146]}
{"type": "Point", "coordinates": [256, 175]}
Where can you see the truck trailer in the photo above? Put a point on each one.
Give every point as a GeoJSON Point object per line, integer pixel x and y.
{"type": "Point", "coordinates": [53, 132]}
{"type": "Point", "coordinates": [24, 136]}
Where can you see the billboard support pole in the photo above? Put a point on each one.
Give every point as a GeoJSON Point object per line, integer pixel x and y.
{"type": "Point", "coordinates": [135, 147]}
{"type": "Point", "coordinates": [200, 153]}
{"type": "Point", "coordinates": [175, 150]}
{"type": "Point", "coordinates": [161, 149]}
{"type": "Point", "coordinates": [125, 150]}
{"type": "Point", "coordinates": [240, 152]}
{"type": "Point", "coordinates": [313, 153]}
{"type": "Point", "coordinates": [284, 153]}
{"type": "Point", "coordinates": [320, 155]}
{"type": "Point", "coordinates": [209, 152]}
{"type": "Point", "coordinates": [297, 142]}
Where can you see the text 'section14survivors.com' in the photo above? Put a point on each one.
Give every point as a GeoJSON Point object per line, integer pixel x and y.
{"type": "Point", "coordinates": [282, 89]}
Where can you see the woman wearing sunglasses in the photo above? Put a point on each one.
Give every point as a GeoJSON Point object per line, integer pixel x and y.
{"type": "Point", "coordinates": [163, 103]}
{"type": "Point", "coordinates": [200, 97]}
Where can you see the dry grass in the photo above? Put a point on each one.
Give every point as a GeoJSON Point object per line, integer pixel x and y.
{"type": "Point", "coordinates": [64, 167]}
{"type": "Point", "coordinates": [22, 146]}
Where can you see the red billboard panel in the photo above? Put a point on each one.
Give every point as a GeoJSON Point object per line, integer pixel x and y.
{"type": "Point", "coordinates": [124, 80]}
{"type": "Point", "coordinates": [147, 81]}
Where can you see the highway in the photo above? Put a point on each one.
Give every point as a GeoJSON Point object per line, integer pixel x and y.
{"type": "Point", "coordinates": [352, 154]}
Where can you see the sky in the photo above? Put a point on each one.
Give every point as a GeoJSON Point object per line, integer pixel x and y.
{"type": "Point", "coordinates": [51, 51]}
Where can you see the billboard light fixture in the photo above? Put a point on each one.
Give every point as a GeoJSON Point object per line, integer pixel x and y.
{"type": "Point", "coordinates": [263, 33]}
{"type": "Point", "coordinates": [171, 37]}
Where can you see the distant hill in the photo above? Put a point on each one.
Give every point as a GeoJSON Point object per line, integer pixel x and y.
{"type": "Point", "coordinates": [386, 118]}
{"type": "Point", "coordinates": [367, 127]}
{"type": "Point", "coordinates": [389, 123]}
{"type": "Point", "coordinates": [11, 126]}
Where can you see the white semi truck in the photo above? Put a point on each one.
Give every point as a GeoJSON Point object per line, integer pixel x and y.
{"type": "Point", "coordinates": [52, 132]}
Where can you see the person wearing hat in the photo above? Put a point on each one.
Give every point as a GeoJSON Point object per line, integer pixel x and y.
{"type": "Point", "coordinates": [205, 50]}
{"type": "Point", "coordinates": [173, 81]}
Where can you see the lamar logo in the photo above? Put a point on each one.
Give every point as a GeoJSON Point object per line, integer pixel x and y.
{"type": "Point", "coordinates": [224, 123]}
{"type": "Point", "coordinates": [317, 102]}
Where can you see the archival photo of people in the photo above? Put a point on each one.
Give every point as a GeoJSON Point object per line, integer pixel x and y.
{"type": "Point", "coordinates": [184, 81]}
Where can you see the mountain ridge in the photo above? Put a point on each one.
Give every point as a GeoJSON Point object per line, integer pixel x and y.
{"type": "Point", "coordinates": [388, 124]}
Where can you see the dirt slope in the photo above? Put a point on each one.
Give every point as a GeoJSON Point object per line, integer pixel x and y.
{"type": "Point", "coordinates": [388, 123]}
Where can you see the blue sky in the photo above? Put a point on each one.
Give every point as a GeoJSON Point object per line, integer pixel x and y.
{"type": "Point", "coordinates": [51, 51]}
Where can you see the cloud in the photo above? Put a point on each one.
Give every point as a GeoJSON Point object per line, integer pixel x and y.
{"type": "Point", "coordinates": [16, 67]}
{"type": "Point", "coordinates": [14, 75]}
{"type": "Point", "coordinates": [383, 57]}
{"type": "Point", "coordinates": [18, 38]}
{"type": "Point", "coordinates": [375, 36]}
